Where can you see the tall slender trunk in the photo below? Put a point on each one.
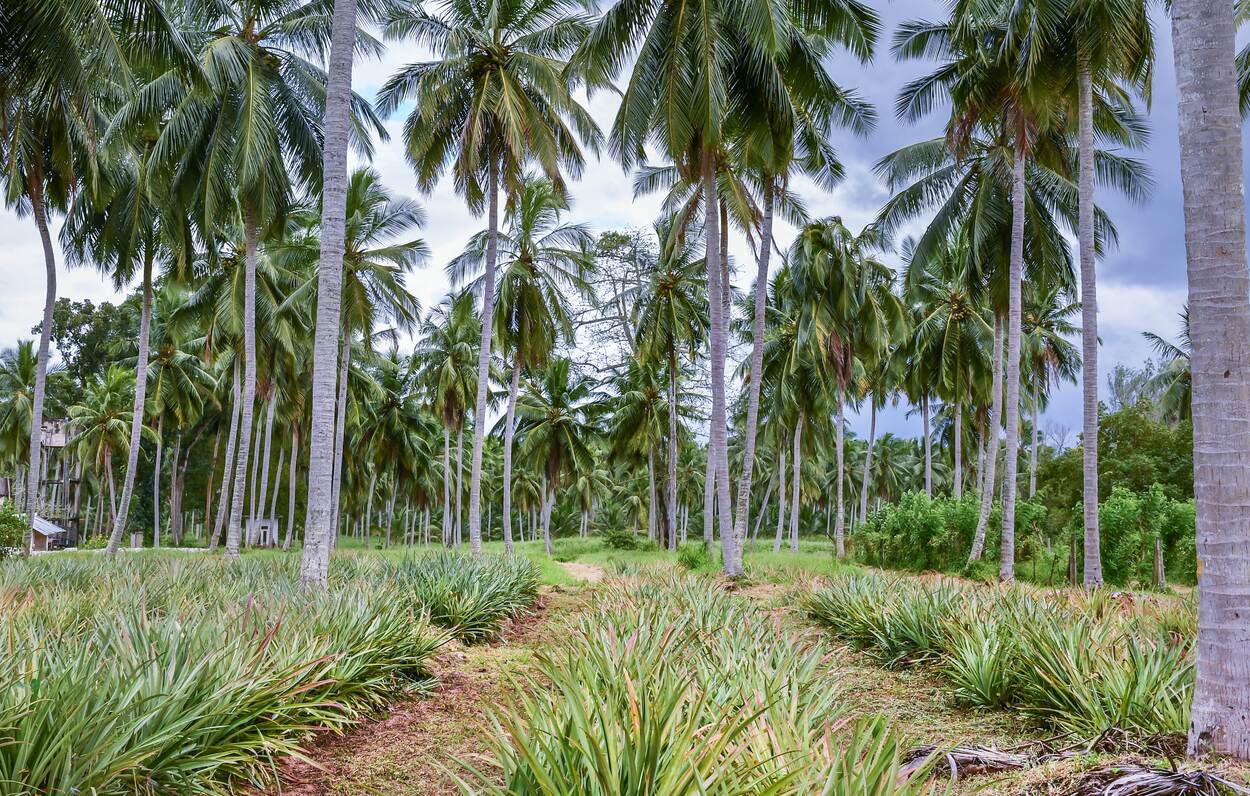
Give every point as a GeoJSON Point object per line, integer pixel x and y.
{"type": "Point", "coordinates": [253, 488]}
{"type": "Point", "coordinates": [447, 521]}
{"type": "Point", "coordinates": [709, 494]}
{"type": "Point", "coordinates": [290, 497]}
{"type": "Point", "coordinates": [653, 526]}
{"type": "Point", "coordinates": [1089, 328]}
{"type": "Point", "coordinates": [232, 443]}
{"type": "Point", "coordinates": [108, 471]}
{"type": "Point", "coordinates": [321, 514]}
{"type": "Point", "coordinates": [177, 476]}
{"type": "Point", "coordinates": [549, 503]}
{"type": "Point", "coordinates": [759, 518]}
{"type": "Point", "coordinates": [672, 449]}
{"type": "Point", "coordinates": [839, 521]}
{"type": "Point", "coordinates": [959, 449]}
{"type": "Point", "coordinates": [1215, 241]}
{"type": "Point", "coordinates": [719, 446]}
{"type": "Point", "coordinates": [373, 480]}
{"type": "Point", "coordinates": [268, 454]}
{"type": "Point", "coordinates": [234, 528]}
{"type": "Point", "coordinates": [138, 408]}
{"type": "Point", "coordinates": [340, 432]}
{"type": "Point", "coordinates": [1011, 460]}
{"type": "Point", "coordinates": [156, 484]}
{"type": "Point", "coordinates": [928, 449]}
{"type": "Point", "coordinates": [990, 443]}
{"type": "Point", "coordinates": [1037, 439]}
{"type": "Point", "coordinates": [781, 496]}
{"type": "Point", "coordinates": [509, 433]}
{"type": "Point", "coordinates": [39, 211]}
{"type": "Point", "coordinates": [460, 485]}
{"type": "Point", "coordinates": [483, 363]}
{"type": "Point", "coordinates": [796, 484]}
{"type": "Point", "coordinates": [208, 485]}
{"type": "Point", "coordinates": [872, 438]}
{"type": "Point", "coordinates": [757, 364]}
{"type": "Point", "coordinates": [272, 541]}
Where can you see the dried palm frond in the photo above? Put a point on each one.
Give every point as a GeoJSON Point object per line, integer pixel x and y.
{"type": "Point", "coordinates": [1145, 781]}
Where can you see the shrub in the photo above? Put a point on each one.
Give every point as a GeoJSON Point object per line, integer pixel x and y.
{"type": "Point", "coordinates": [13, 526]}
{"type": "Point", "coordinates": [693, 556]}
{"type": "Point", "coordinates": [621, 539]}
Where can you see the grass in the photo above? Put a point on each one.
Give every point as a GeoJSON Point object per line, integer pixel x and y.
{"type": "Point", "coordinates": [211, 669]}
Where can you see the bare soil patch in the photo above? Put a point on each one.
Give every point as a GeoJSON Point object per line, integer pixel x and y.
{"type": "Point", "coordinates": [587, 572]}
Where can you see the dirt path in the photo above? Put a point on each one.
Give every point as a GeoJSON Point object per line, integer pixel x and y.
{"type": "Point", "coordinates": [587, 572]}
{"type": "Point", "coordinates": [407, 752]}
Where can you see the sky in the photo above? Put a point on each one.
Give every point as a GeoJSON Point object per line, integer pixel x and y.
{"type": "Point", "coordinates": [1141, 284]}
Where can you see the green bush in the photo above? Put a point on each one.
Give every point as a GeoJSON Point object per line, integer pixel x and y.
{"type": "Point", "coordinates": [621, 539]}
{"type": "Point", "coordinates": [13, 527]}
{"type": "Point", "coordinates": [693, 556]}
{"type": "Point", "coordinates": [1130, 522]}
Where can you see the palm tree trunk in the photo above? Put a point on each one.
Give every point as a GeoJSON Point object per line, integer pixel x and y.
{"type": "Point", "coordinates": [928, 449]}
{"type": "Point", "coordinates": [509, 433]}
{"type": "Point", "coordinates": [373, 480]}
{"type": "Point", "coordinates": [340, 432]}
{"type": "Point", "coordinates": [549, 502]}
{"type": "Point", "coordinates": [990, 442]}
{"type": "Point", "coordinates": [108, 472]}
{"type": "Point", "coordinates": [137, 411]}
{"type": "Point", "coordinates": [39, 211]}
{"type": "Point", "coordinates": [460, 485]}
{"type": "Point", "coordinates": [872, 437]}
{"type": "Point", "coordinates": [446, 486]}
{"type": "Point", "coordinates": [781, 496]}
{"type": "Point", "coordinates": [1011, 461]}
{"type": "Point", "coordinates": [321, 513]}
{"type": "Point", "coordinates": [1215, 236]}
{"type": "Point", "coordinates": [234, 528]}
{"type": "Point", "coordinates": [232, 443]}
{"type": "Point", "coordinates": [253, 488]}
{"type": "Point", "coordinates": [709, 494]}
{"type": "Point", "coordinates": [759, 518]}
{"type": "Point", "coordinates": [1089, 328]}
{"type": "Point", "coordinates": [290, 496]}
{"type": "Point", "coordinates": [719, 446]}
{"type": "Point", "coordinates": [1037, 439]}
{"type": "Point", "coordinates": [177, 473]}
{"type": "Point", "coordinates": [208, 486]}
{"type": "Point", "coordinates": [839, 437]}
{"type": "Point", "coordinates": [796, 484]}
{"type": "Point", "coordinates": [959, 449]}
{"type": "Point", "coordinates": [268, 454]}
{"type": "Point", "coordinates": [653, 526]}
{"type": "Point", "coordinates": [483, 363]}
{"type": "Point", "coordinates": [272, 541]}
{"type": "Point", "coordinates": [757, 365]}
{"type": "Point", "coordinates": [156, 485]}
{"type": "Point", "coordinates": [672, 449]}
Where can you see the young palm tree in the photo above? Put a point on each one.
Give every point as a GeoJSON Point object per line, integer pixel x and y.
{"type": "Point", "coordinates": [101, 425]}
{"type": "Point", "coordinates": [1219, 312]}
{"type": "Point", "coordinates": [1173, 383]}
{"type": "Point", "coordinates": [1048, 355]}
{"type": "Point", "coordinates": [545, 264]}
{"type": "Point", "coordinates": [497, 98]}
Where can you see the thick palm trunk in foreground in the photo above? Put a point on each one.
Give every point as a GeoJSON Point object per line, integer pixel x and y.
{"type": "Point", "coordinates": [483, 365]}
{"type": "Point", "coordinates": [754, 377]}
{"type": "Point", "coordinates": [319, 518]}
{"type": "Point", "coordinates": [990, 444]}
{"type": "Point", "coordinates": [234, 525]}
{"type": "Point", "coordinates": [1011, 457]}
{"type": "Point", "coordinates": [137, 410]}
{"type": "Point", "coordinates": [1219, 315]}
{"type": "Point", "coordinates": [39, 211]}
{"type": "Point", "coordinates": [1089, 331]}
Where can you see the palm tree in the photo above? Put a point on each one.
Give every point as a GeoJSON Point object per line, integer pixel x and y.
{"type": "Point", "coordinates": [18, 369]}
{"type": "Point", "coordinates": [1049, 355]}
{"type": "Point", "coordinates": [556, 432]}
{"type": "Point", "coordinates": [498, 98]}
{"type": "Point", "coordinates": [445, 357]}
{"type": "Point", "coordinates": [639, 418]}
{"type": "Point", "coordinates": [101, 425]}
{"type": "Point", "coordinates": [545, 263]}
{"type": "Point", "coordinates": [1211, 160]}
{"type": "Point", "coordinates": [1103, 44]}
{"type": "Point", "coordinates": [672, 319]}
{"type": "Point", "coordinates": [235, 152]}
{"type": "Point", "coordinates": [1173, 383]}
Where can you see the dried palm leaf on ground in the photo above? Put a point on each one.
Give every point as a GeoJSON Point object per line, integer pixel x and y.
{"type": "Point", "coordinates": [1146, 781]}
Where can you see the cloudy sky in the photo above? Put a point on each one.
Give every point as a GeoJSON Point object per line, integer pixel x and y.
{"type": "Point", "coordinates": [1141, 284]}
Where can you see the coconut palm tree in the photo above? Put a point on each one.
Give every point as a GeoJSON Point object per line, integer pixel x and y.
{"type": "Point", "coordinates": [545, 263]}
{"type": "Point", "coordinates": [497, 98]}
{"type": "Point", "coordinates": [556, 433]}
{"type": "Point", "coordinates": [672, 321]}
{"type": "Point", "coordinates": [234, 151]}
{"type": "Point", "coordinates": [1173, 383]}
{"type": "Point", "coordinates": [1049, 355]}
{"type": "Point", "coordinates": [1204, 35]}
{"type": "Point", "coordinates": [101, 425]}
{"type": "Point", "coordinates": [638, 422]}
